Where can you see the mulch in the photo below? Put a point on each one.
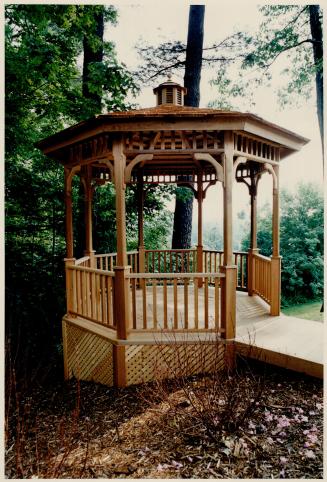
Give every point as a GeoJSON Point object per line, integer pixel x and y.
{"type": "Point", "coordinates": [85, 430]}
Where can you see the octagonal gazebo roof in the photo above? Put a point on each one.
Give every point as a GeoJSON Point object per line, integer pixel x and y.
{"type": "Point", "coordinates": [173, 117]}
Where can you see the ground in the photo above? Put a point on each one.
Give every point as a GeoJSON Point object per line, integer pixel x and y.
{"type": "Point", "coordinates": [308, 311]}
{"type": "Point", "coordinates": [84, 430]}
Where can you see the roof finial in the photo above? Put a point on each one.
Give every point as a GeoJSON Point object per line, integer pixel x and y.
{"type": "Point", "coordinates": [169, 75]}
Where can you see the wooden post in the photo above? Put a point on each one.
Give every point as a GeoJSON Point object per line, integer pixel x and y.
{"type": "Point", "coordinates": [253, 237]}
{"type": "Point", "coordinates": [228, 290]}
{"type": "Point", "coordinates": [88, 195]}
{"type": "Point", "coordinates": [121, 282]}
{"type": "Point", "coordinates": [228, 196]}
{"type": "Point", "coordinates": [69, 284]}
{"type": "Point", "coordinates": [276, 259]}
{"type": "Point", "coordinates": [228, 312]}
{"type": "Point", "coordinates": [69, 260]}
{"type": "Point", "coordinates": [275, 213]}
{"type": "Point", "coordinates": [69, 213]}
{"type": "Point", "coordinates": [119, 169]}
{"type": "Point", "coordinates": [199, 249]}
{"type": "Point", "coordinates": [120, 374]}
{"type": "Point", "coordinates": [121, 301]}
{"type": "Point", "coordinates": [140, 205]}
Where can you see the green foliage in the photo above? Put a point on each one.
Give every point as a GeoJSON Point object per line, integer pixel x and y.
{"type": "Point", "coordinates": [301, 242]}
{"type": "Point", "coordinates": [284, 34]}
{"type": "Point", "coordinates": [43, 95]}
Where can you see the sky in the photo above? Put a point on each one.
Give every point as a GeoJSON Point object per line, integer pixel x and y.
{"type": "Point", "coordinates": [155, 22]}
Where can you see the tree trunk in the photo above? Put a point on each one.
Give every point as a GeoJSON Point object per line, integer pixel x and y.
{"type": "Point", "coordinates": [317, 45]}
{"type": "Point", "coordinates": [91, 55]}
{"type": "Point", "coordinates": [182, 231]}
{"type": "Point", "coordinates": [193, 63]}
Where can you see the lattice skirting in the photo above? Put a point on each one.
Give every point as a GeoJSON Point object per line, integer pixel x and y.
{"type": "Point", "coordinates": [146, 363]}
{"type": "Point", "coordinates": [87, 356]}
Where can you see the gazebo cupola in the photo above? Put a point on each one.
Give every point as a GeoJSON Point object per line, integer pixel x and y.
{"type": "Point", "coordinates": [170, 93]}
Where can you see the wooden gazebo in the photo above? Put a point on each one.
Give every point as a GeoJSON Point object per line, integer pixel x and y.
{"type": "Point", "coordinates": [124, 307]}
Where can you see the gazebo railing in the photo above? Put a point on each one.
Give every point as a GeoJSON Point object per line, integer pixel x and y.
{"type": "Point", "coordinates": [83, 262]}
{"type": "Point", "coordinates": [174, 298]}
{"type": "Point", "coordinates": [170, 260]}
{"type": "Point", "coordinates": [178, 261]}
{"type": "Point", "coordinates": [262, 277]}
{"type": "Point", "coordinates": [109, 261]}
{"type": "Point", "coordinates": [171, 301]}
{"type": "Point", "coordinates": [90, 294]}
{"type": "Point", "coordinates": [213, 259]}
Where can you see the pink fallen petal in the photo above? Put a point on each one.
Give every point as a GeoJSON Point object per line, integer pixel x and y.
{"type": "Point", "coordinates": [309, 454]}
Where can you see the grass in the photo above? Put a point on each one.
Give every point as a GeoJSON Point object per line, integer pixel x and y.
{"type": "Point", "coordinates": [307, 311]}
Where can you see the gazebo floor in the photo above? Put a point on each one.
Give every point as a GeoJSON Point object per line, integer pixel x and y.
{"type": "Point", "coordinates": [284, 341]}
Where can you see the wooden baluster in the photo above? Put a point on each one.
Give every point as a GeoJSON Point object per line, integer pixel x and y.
{"type": "Point", "coordinates": [87, 284]}
{"type": "Point", "coordinates": [154, 301]}
{"type": "Point", "coordinates": [196, 303]}
{"type": "Point", "coordinates": [89, 300]}
{"type": "Point", "coordinates": [171, 262]}
{"type": "Point", "coordinates": [153, 263]}
{"type": "Point", "coordinates": [267, 280]}
{"type": "Point", "coordinates": [144, 305]}
{"type": "Point", "coordinates": [104, 299]}
{"type": "Point", "coordinates": [185, 304]}
{"type": "Point", "coordinates": [133, 280]}
{"type": "Point", "coordinates": [216, 303]}
{"type": "Point", "coordinates": [175, 304]}
{"type": "Point", "coordinates": [73, 290]}
{"type": "Point", "coordinates": [165, 262]}
{"type": "Point", "coordinates": [242, 271]}
{"type": "Point", "coordinates": [206, 303]}
{"type": "Point", "coordinates": [188, 262]}
{"type": "Point", "coordinates": [159, 262]}
{"type": "Point", "coordinates": [182, 263]}
{"type": "Point", "coordinates": [109, 299]}
{"type": "Point", "coordinates": [98, 297]}
{"type": "Point", "coordinates": [165, 303]}
{"type": "Point", "coordinates": [78, 290]}
{"type": "Point", "coordinates": [93, 298]}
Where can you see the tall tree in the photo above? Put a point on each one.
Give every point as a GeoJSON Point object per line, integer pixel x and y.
{"type": "Point", "coordinates": [244, 61]}
{"type": "Point", "coordinates": [93, 52]}
{"type": "Point", "coordinates": [182, 230]}
{"type": "Point", "coordinates": [317, 47]}
{"type": "Point", "coordinates": [294, 31]}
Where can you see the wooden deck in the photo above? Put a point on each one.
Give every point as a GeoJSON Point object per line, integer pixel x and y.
{"type": "Point", "coordinates": [285, 341]}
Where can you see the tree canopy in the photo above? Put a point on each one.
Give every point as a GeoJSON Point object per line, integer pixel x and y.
{"type": "Point", "coordinates": [301, 242]}
{"type": "Point", "coordinates": [44, 94]}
